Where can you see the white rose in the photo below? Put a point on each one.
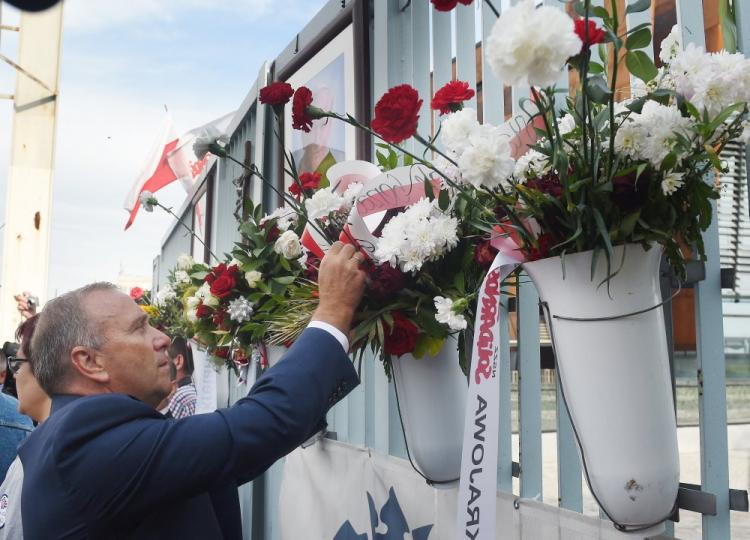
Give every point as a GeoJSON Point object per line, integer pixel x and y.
{"type": "Point", "coordinates": [185, 262]}
{"type": "Point", "coordinates": [288, 245]}
{"type": "Point", "coordinates": [253, 277]}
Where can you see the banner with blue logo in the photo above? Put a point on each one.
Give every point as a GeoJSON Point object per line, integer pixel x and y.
{"type": "Point", "coordinates": [336, 491]}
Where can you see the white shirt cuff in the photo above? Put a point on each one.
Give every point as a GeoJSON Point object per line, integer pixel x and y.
{"type": "Point", "coordinates": [335, 332]}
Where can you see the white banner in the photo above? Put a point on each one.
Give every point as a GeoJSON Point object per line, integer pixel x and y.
{"type": "Point", "coordinates": [476, 495]}
{"type": "Point", "coordinates": [335, 491]}
{"type": "Point", "coordinates": [204, 377]}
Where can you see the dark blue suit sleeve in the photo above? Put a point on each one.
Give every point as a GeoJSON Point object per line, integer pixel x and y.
{"type": "Point", "coordinates": [121, 459]}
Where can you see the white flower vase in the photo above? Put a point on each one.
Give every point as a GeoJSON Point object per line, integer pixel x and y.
{"type": "Point", "coordinates": [615, 377]}
{"type": "Point", "coordinates": [432, 397]}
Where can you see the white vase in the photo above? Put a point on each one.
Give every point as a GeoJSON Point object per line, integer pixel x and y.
{"type": "Point", "coordinates": [432, 395]}
{"type": "Point", "coordinates": [615, 377]}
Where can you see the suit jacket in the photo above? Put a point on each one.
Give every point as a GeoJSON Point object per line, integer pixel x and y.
{"type": "Point", "coordinates": [110, 466]}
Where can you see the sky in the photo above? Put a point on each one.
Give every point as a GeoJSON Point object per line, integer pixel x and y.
{"type": "Point", "coordinates": [121, 63]}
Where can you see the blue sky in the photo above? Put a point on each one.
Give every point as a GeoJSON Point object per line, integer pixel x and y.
{"type": "Point", "coordinates": [121, 63]}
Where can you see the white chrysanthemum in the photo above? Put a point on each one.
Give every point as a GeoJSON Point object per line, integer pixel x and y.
{"type": "Point", "coordinates": [240, 310]}
{"type": "Point", "coordinates": [288, 245]}
{"type": "Point", "coordinates": [630, 140]}
{"type": "Point", "coordinates": [688, 67]}
{"type": "Point", "coordinates": [420, 233]}
{"type": "Point", "coordinates": [323, 202]}
{"type": "Point", "coordinates": [532, 164]}
{"type": "Point", "coordinates": [147, 200]}
{"type": "Point", "coordinates": [670, 45]}
{"type": "Point", "coordinates": [672, 182]}
{"type": "Point", "coordinates": [486, 161]}
{"type": "Point", "coordinates": [165, 294]}
{"type": "Point", "coordinates": [456, 128]}
{"type": "Point", "coordinates": [284, 216]}
{"type": "Point", "coordinates": [180, 276]}
{"type": "Point", "coordinates": [662, 123]}
{"type": "Point", "coordinates": [531, 46]}
{"type": "Point", "coordinates": [207, 137]}
{"type": "Point", "coordinates": [446, 315]}
{"type": "Point", "coordinates": [253, 277]}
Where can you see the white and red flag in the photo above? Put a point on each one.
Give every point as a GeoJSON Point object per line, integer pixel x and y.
{"type": "Point", "coordinates": [171, 159]}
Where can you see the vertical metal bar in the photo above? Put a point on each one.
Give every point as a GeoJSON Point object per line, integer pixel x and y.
{"type": "Point", "coordinates": [742, 20]}
{"type": "Point", "coordinates": [529, 388]}
{"type": "Point", "coordinates": [442, 56]}
{"type": "Point", "coordinates": [712, 405]}
{"type": "Point", "coordinates": [466, 48]}
{"type": "Point", "coordinates": [569, 485]}
{"type": "Point", "coordinates": [493, 98]}
{"type": "Point", "coordinates": [505, 447]}
{"type": "Point", "coordinates": [420, 30]}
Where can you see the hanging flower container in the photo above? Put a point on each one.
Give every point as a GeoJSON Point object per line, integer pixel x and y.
{"type": "Point", "coordinates": [613, 364]}
{"type": "Point", "coordinates": [432, 397]}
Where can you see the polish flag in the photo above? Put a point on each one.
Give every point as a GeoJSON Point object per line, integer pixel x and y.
{"type": "Point", "coordinates": [172, 159]}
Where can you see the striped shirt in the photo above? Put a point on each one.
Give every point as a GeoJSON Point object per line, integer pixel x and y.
{"type": "Point", "coordinates": [184, 399]}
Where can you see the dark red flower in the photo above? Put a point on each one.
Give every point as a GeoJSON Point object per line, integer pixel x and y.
{"type": "Point", "coordinates": [301, 118]}
{"type": "Point", "coordinates": [218, 318]}
{"type": "Point", "coordinates": [629, 194]}
{"type": "Point", "coordinates": [596, 34]}
{"type": "Point", "coordinates": [545, 242]}
{"type": "Point", "coordinates": [276, 93]}
{"type": "Point", "coordinates": [273, 232]}
{"type": "Point", "coordinates": [397, 114]}
{"type": "Point", "coordinates": [312, 264]}
{"type": "Point", "coordinates": [385, 281]}
{"type": "Point", "coordinates": [203, 311]}
{"type": "Point", "coordinates": [447, 5]}
{"type": "Point", "coordinates": [240, 358]}
{"type": "Point", "coordinates": [484, 254]}
{"type": "Point", "coordinates": [309, 181]}
{"type": "Point", "coordinates": [401, 338]}
{"type": "Point", "coordinates": [549, 184]}
{"type": "Point", "coordinates": [136, 293]}
{"type": "Point", "coordinates": [222, 352]}
{"type": "Point", "coordinates": [450, 98]}
{"type": "Point", "coordinates": [215, 272]}
{"type": "Point", "coordinates": [224, 284]}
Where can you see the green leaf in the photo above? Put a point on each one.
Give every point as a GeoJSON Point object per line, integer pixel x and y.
{"type": "Point", "coordinates": [284, 280]}
{"type": "Point", "coordinates": [428, 189]}
{"type": "Point", "coordinates": [628, 223]}
{"type": "Point", "coordinates": [723, 115]}
{"type": "Point", "coordinates": [597, 90]}
{"type": "Point", "coordinates": [638, 6]}
{"type": "Point", "coordinates": [444, 200]}
{"type": "Point", "coordinates": [199, 275]}
{"type": "Point", "coordinates": [595, 68]}
{"type": "Point", "coordinates": [640, 65]}
{"type": "Point", "coordinates": [639, 39]}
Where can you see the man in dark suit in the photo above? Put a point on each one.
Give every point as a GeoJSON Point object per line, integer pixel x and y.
{"type": "Point", "coordinates": [106, 464]}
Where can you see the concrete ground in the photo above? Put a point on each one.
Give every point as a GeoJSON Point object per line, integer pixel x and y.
{"type": "Point", "coordinates": [689, 527]}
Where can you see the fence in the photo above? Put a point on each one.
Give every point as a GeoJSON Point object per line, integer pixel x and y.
{"type": "Point", "coordinates": [406, 41]}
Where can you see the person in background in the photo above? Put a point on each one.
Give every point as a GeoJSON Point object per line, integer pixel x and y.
{"type": "Point", "coordinates": [14, 426]}
{"type": "Point", "coordinates": [34, 402]}
{"type": "Point", "coordinates": [185, 397]}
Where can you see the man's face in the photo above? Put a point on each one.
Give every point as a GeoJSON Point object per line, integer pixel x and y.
{"type": "Point", "coordinates": [134, 353]}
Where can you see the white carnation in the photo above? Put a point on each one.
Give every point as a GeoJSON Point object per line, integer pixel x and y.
{"type": "Point", "coordinates": [672, 182]}
{"type": "Point", "coordinates": [670, 46]}
{"type": "Point", "coordinates": [185, 262]}
{"type": "Point", "coordinates": [420, 233]}
{"type": "Point", "coordinates": [284, 216]}
{"type": "Point", "coordinates": [351, 193]}
{"type": "Point", "coordinates": [253, 277]}
{"type": "Point", "coordinates": [486, 161]}
{"type": "Point", "coordinates": [448, 169]}
{"type": "Point", "coordinates": [180, 276]}
{"type": "Point", "coordinates": [446, 315]}
{"type": "Point", "coordinates": [288, 245]}
{"type": "Point", "coordinates": [207, 137]}
{"type": "Point", "coordinates": [147, 200]}
{"type": "Point", "coordinates": [323, 202]}
{"type": "Point", "coordinates": [456, 129]}
{"type": "Point", "coordinates": [532, 164]}
{"type": "Point", "coordinates": [240, 310]}
{"type": "Point", "coordinates": [530, 46]}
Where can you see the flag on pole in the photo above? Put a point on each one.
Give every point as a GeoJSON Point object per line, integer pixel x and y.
{"type": "Point", "coordinates": [171, 159]}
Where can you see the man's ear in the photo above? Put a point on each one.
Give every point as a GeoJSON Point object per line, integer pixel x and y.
{"type": "Point", "coordinates": [179, 362]}
{"type": "Point", "coordinates": [88, 364]}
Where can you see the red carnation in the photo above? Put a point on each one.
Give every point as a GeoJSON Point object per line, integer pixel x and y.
{"type": "Point", "coordinates": [301, 118]}
{"type": "Point", "coordinates": [545, 242]}
{"type": "Point", "coordinates": [309, 181]}
{"type": "Point", "coordinates": [276, 93]}
{"type": "Point", "coordinates": [397, 114]}
{"type": "Point", "coordinates": [136, 293]}
{"type": "Point", "coordinates": [596, 34]}
{"type": "Point", "coordinates": [401, 338]}
{"type": "Point", "coordinates": [484, 254]}
{"type": "Point", "coordinates": [385, 281]}
{"type": "Point", "coordinates": [447, 5]}
{"type": "Point", "coordinates": [450, 97]}
{"type": "Point", "coordinates": [203, 311]}
{"type": "Point", "coordinates": [224, 284]}
{"type": "Point", "coordinates": [222, 352]}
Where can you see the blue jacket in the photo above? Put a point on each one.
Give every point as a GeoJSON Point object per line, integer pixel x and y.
{"type": "Point", "coordinates": [110, 466]}
{"type": "Point", "coordinates": [14, 427]}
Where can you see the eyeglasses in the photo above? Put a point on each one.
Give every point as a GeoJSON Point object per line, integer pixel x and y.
{"type": "Point", "coordinates": [14, 363]}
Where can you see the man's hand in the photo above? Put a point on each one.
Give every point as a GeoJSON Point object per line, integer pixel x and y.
{"type": "Point", "coordinates": [341, 283]}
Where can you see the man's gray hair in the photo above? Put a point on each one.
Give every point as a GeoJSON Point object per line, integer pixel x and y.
{"type": "Point", "coordinates": [63, 325]}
